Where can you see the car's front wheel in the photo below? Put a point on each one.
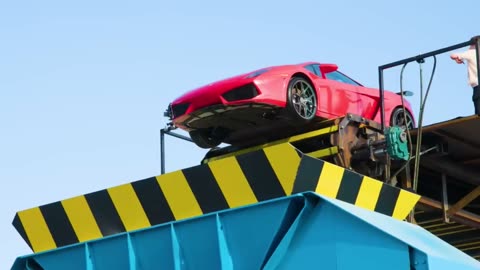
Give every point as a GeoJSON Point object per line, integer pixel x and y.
{"type": "Point", "coordinates": [203, 138]}
{"type": "Point", "coordinates": [301, 99]}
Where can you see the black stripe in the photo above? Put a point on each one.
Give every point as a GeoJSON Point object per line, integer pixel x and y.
{"type": "Point", "coordinates": [387, 200]}
{"type": "Point", "coordinates": [19, 226]}
{"type": "Point", "coordinates": [153, 201]}
{"type": "Point", "coordinates": [59, 224]}
{"type": "Point", "coordinates": [349, 187]}
{"type": "Point", "coordinates": [260, 175]}
{"type": "Point", "coordinates": [104, 212]}
{"type": "Point", "coordinates": [308, 174]}
{"type": "Point", "coordinates": [205, 188]}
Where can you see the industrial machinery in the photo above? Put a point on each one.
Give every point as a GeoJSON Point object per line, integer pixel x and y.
{"type": "Point", "coordinates": [352, 142]}
{"type": "Point", "coordinates": [338, 194]}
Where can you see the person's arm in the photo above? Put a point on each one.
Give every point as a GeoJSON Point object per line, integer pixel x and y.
{"type": "Point", "coordinates": [458, 57]}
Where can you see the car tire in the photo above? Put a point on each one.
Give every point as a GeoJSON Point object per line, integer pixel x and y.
{"type": "Point", "coordinates": [303, 108]}
{"type": "Point", "coordinates": [203, 138]}
{"type": "Point", "coordinates": [397, 118]}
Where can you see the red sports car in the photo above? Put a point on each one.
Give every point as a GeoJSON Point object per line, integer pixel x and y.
{"type": "Point", "coordinates": [278, 98]}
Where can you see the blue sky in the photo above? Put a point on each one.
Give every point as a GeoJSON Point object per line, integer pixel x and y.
{"type": "Point", "coordinates": [83, 85]}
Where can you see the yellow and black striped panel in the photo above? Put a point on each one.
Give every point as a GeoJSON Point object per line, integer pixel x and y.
{"type": "Point", "coordinates": [226, 183]}
{"type": "Point", "coordinates": [336, 182]}
{"type": "Point", "coordinates": [230, 182]}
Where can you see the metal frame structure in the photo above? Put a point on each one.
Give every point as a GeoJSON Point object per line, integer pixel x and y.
{"type": "Point", "coordinates": [448, 211]}
{"type": "Point", "coordinates": [445, 214]}
{"type": "Point", "coordinates": [420, 58]}
{"type": "Point", "coordinates": [168, 130]}
{"type": "Point", "coordinates": [336, 139]}
{"type": "Point", "coordinates": [449, 183]}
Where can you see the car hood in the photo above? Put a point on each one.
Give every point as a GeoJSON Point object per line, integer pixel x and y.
{"type": "Point", "coordinates": [210, 93]}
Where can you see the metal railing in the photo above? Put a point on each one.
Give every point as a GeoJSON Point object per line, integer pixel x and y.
{"type": "Point", "coordinates": [420, 58]}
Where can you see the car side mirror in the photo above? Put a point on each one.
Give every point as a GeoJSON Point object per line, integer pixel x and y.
{"type": "Point", "coordinates": [405, 93]}
{"type": "Point", "coordinates": [327, 68]}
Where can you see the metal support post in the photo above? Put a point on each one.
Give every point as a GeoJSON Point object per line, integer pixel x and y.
{"type": "Point", "coordinates": [162, 151]}
{"type": "Point", "coordinates": [168, 130]}
{"type": "Point", "coordinates": [382, 101]}
{"type": "Point", "coordinates": [446, 217]}
{"type": "Point", "coordinates": [406, 183]}
{"type": "Point", "coordinates": [388, 166]}
{"type": "Point", "coordinates": [476, 41]}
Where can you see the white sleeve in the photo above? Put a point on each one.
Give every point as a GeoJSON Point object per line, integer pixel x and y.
{"type": "Point", "coordinates": [469, 55]}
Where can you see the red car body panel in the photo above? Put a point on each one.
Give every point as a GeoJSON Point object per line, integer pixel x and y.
{"type": "Point", "coordinates": [334, 98]}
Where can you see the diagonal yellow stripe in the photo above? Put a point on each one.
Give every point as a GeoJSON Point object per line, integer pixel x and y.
{"type": "Point", "coordinates": [311, 134]}
{"type": "Point", "coordinates": [36, 229]}
{"type": "Point", "coordinates": [81, 218]}
{"type": "Point", "coordinates": [405, 203]}
{"type": "Point", "coordinates": [323, 152]}
{"type": "Point", "coordinates": [128, 207]}
{"type": "Point", "coordinates": [368, 193]}
{"type": "Point", "coordinates": [330, 179]}
{"type": "Point", "coordinates": [179, 195]}
{"type": "Point", "coordinates": [232, 182]}
{"type": "Point", "coordinates": [295, 138]}
{"type": "Point", "coordinates": [285, 161]}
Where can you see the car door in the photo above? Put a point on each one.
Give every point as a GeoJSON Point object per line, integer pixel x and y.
{"type": "Point", "coordinates": [370, 101]}
{"type": "Point", "coordinates": [345, 95]}
{"type": "Point", "coordinates": [357, 99]}
{"type": "Point", "coordinates": [329, 94]}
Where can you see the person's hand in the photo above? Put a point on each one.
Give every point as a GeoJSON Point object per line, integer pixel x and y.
{"type": "Point", "coordinates": [456, 58]}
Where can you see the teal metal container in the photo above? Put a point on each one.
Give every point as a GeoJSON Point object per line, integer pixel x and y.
{"type": "Point", "coordinates": [302, 231]}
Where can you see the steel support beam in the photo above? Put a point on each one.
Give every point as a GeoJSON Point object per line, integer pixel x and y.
{"type": "Point", "coordinates": [470, 160]}
{"type": "Point", "coordinates": [460, 216]}
{"type": "Point", "coordinates": [457, 138]}
{"type": "Point", "coordinates": [464, 201]}
{"type": "Point", "coordinates": [451, 168]}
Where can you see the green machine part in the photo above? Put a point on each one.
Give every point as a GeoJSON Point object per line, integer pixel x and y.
{"type": "Point", "coordinates": [397, 147]}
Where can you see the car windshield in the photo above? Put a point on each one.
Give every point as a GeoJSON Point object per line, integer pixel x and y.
{"type": "Point", "coordinates": [340, 77]}
{"type": "Point", "coordinates": [257, 73]}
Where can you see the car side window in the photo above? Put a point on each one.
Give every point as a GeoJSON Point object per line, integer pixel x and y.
{"type": "Point", "coordinates": [337, 76]}
{"type": "Point", "coordinates": [317, 70]}
{"type": "Point", "coordinates": [312, 69]}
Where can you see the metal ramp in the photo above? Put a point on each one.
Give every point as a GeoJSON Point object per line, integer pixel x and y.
{"type": "Point", "coordinates": [296, 232]}
{"type": "Point", "coordinates": [272, 172]}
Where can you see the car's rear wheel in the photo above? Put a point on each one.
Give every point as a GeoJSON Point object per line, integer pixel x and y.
{"type": "Point", "coordinates": [402, 118]}
{"type": "Point", "coordinates": [301, 99]}
{"type": "Point", "coordinates": [203, 138]}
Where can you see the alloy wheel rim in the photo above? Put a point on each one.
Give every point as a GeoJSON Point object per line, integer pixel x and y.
{"type": "Point", "coordinates": [403, 119]}
{"type": "Point", "coordinates": [303, 99]}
